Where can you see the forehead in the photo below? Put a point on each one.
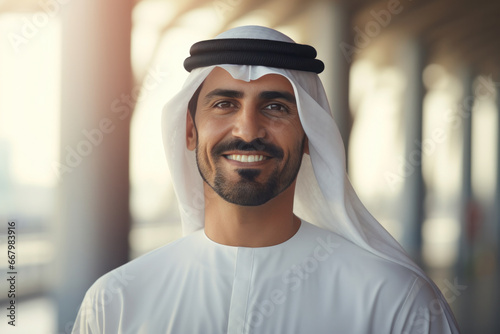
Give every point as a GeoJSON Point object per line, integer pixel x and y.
{"type": "Point", "coordinates": [220, 78]}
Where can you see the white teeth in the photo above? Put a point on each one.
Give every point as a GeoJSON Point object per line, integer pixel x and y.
{"type": "Point", "coordinates": [245, 158]}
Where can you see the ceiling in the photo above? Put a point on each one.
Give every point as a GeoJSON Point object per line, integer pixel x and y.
{"type": "Point", "coordinates": [466, 31]}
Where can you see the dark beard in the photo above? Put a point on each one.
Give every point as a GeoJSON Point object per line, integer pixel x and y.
{"type": "Point", "coordinates": [247, 191]}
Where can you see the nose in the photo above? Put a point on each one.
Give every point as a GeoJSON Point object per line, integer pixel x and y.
{"type": "Point", "coordinates": [249, 124]}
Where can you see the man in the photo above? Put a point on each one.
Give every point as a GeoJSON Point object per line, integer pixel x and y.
{"type": "Point", "coordinates": [251, 147]}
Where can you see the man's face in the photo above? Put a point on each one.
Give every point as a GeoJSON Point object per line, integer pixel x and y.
{"type": "Point", "coordinates": [248, 137]}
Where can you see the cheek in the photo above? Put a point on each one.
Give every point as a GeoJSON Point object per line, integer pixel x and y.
{"type": "Point", "coordinates": [210, 133]}
{"type": "Point", "coordinates": [213, 127]}
{"type": "Point", "coordinates": [286, 129]}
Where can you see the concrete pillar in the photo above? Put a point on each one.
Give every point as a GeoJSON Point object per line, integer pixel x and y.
{"type": "Point", "coordinates": [497, 192]}
{"type": "Point", "coordinates": [497, 211]}
{"type": "Point", "coordinates": [466, 105]}
{"type": "Point", "coordinates": [412, 59]}
{"type": "Point", "coordinates": [467, 305]}
{"type": "Point", "coordinates": [93, 206]}
{"type": "Point", "coordinates": [331, 34]}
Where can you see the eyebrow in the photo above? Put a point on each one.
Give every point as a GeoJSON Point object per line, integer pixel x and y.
{"type": "Point", "coordinates": [266, 95]}
{"type": "Point", "coordinates": [271, 95]}
{"type": "Point", "coordinates": [224, 93]}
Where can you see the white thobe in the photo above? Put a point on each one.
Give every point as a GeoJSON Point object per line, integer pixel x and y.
{"type": "Point", "coordinates": [315, 282]}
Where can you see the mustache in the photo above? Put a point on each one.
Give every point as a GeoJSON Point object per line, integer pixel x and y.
{"type": "Point", "coordinates": [255, 145]}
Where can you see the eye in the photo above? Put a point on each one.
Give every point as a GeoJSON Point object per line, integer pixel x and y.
{"type": "Point", "coordinates": [224, 105]}
{"type": "Point", "coordinates": [276, 107]}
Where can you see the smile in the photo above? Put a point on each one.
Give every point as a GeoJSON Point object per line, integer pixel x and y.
{"type": "Point", "coordinates": [245, 158]}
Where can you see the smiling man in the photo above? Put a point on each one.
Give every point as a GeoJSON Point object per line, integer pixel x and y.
{"type": "Point", "coordinates": [249, 144]}
{"type": "Point", "coordinates": [276, 240]}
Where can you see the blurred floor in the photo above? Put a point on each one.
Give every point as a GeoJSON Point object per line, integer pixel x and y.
{"type": "Point", "coordinates": [478, 308]}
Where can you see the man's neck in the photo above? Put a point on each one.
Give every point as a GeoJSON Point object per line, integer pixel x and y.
{"type": "Point", "coordinates": [250, 226]}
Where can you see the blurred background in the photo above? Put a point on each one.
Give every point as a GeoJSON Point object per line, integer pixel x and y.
{"type": "Point", "coordinates": [414, 87]}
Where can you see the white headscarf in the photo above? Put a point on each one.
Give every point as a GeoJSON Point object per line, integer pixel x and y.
{"type": "Point", "coordinates": [324, 195]}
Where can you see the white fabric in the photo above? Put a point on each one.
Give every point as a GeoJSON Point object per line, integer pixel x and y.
{"type": "Point", "coordinates": [324, 196]}
{"type": "Point", "coordinates": [316, 282]}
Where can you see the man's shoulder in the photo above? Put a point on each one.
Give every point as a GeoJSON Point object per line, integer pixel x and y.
{"type": "Point", "coordinates": [379, 282]}
{"type": "Point", "coordinates": [152, 264]}
{"type": "Point", "coordinates": [355, 262]}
